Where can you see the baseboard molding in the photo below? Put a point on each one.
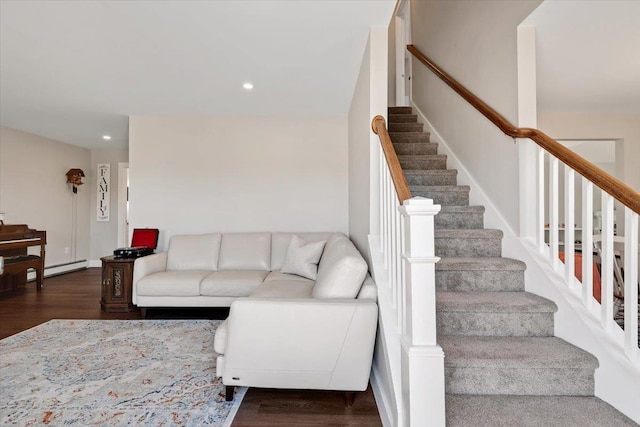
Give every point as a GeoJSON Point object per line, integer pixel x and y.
{"type": "Point", "coordinates": [55, 270]}
{"type": "Point", "coordinates": [386, 388]}
{"type": "Point", "coordinates": [381, 396]}
{"type": "Point", "coordinates": [95, 263]}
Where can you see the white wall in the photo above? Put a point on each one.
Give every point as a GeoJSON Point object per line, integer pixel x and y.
{"type": "Point", "coordinates": [475, 42]}
{"type": "Point", "coordinates": [34, 191]}
{"type": "Point", "coordinates": [359, 164]}
{"type": "Point", "coordinates": [104, 234]}
{"type": "Point", "coordinates": [232, 174]}
{"type": "Point", "coordinates": [624, 127]}
{"type": "Point", "coordinates": [369, 99]}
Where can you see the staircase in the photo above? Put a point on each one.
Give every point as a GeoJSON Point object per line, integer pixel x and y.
{"type": "Point", "coordinates": [503, 365]}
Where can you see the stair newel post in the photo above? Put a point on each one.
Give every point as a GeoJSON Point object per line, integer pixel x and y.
{"type": "Point", "coordinates": [422, 358]}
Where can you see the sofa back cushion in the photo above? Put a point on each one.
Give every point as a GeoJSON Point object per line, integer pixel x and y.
{"type": "Point", "coordinates": [194, 252]}
{"type": "Point", "coordinates": [245, 251]}
{"type": "Point", "coordinates": [280, 244]}
{"type": "Point", "coordinates": [341, 270]}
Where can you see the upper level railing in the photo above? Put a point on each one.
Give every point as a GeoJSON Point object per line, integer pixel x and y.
{"type": "Point", "coordinates": [616, 188]}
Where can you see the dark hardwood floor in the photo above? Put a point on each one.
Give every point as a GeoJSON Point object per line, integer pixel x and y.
{"type": "Point", "coordinates": [77, 296]}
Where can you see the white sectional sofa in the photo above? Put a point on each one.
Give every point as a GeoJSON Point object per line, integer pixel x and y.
{"type": "Point", "coordinates": [283, 330]}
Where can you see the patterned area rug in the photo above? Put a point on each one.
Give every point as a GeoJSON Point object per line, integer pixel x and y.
{"type": "Point", "coordinates": [113, 373]}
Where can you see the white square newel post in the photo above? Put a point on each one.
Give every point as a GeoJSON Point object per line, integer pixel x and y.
{"type": "Point", "coordinates": [423, 389]}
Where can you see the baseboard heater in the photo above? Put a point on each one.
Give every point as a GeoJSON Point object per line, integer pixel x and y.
{"type": "Point", "coordinates": [55, 270]}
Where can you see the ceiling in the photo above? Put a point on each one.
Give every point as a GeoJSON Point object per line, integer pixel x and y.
{"type": "Point", "coordinates": [73, 70]}
{"type": "Point", "coordinates": [588, 56]}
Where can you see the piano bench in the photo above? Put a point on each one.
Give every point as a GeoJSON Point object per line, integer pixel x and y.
{"type": "Point", "coordinates": [20, 264]}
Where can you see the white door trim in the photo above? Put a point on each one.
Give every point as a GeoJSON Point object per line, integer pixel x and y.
{"type": "Point", "coordinates": [123, 230]}
{"type": "Point", "coordinates": [403, 57]}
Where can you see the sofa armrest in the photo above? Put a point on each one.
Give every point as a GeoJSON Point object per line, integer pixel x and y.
{"type": "Point", "coordinates": [146, 266]}
{"type": "Point", "coordinates": [300, 343]}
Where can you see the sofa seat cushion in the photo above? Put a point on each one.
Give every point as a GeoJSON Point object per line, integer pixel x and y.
{"type": "Point", "coordinates": [172, 283]}
{"type": "Point", "coordinates": [284, 289]}
{"type": "Point", "coordinates": [232, 283]}
{"type": "Point", "coordinates": [220, 338]}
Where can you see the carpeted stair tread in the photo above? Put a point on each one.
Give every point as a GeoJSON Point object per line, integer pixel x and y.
{"type": "Point", "coordinates": [423, 162]}
{"type": "Point", "coordinates": [531, 411]}
{"type": "Point", "coordinates": [491, 314]}
{"type": "Point", "coordinates": [445, 195]}
{"type": "Point", "coordinates": [513, 352]}
{"type": "Point", "coordinates": [476, 263]}
{"type": "Point", "coordinates": [516, 365]}
{"type": "Point", "coordinates": [480, 274]}
{"type": "Point", "coordinates": [462, 209]}
{"type": "Point", "coordinates": [409, 136]}
{"type": "Point", "coordinates": [460, 217]}
{"type": "Point", "coordinates": [484, 233]}
{"type": "Point", "coordinates": [399, 110]}
{"type": "Point", "coordinates": [415, 148]}
{"type": "Point", "coordinates": [431, 177]}
{"type": "Point", "coordinates": [403, 118]}
{"type": "Point", "coordinates": [422, 156]}
{"type": "Point", "coordinates": [493, 302]}
{"type": "Point", "coordinates": [406, 127]}
{"type": "Point", "coordinates": [467, 242]}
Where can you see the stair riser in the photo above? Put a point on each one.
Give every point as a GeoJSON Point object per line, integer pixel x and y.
{"type": "Point", "coordinates": [445, 198]}
{"type": "Point", "coordinates": [403, 118]}
{"type": "Point", "coordinates": [495, 324]}
{"type": "Point", "coordinates": [416, 148]}
{"type": "Point", "coordinates": [423, 164]}
{"type": "Point", "coordinates": [459, 220]}
{"type": "Point", "coordinates": [406, 127]}
{"type": "Point", "coordinates": [399, 110]}
{"type": "Point", "coordinates": [431, 179]}
{"type": "Point", "coordinates": [564, 381]}
{"type": "Point", "coordinates": [454, 247]}
{"type": "Point", "coordinates": [474, 280]}
{"type": "Point", "coordinates": [400, 137]}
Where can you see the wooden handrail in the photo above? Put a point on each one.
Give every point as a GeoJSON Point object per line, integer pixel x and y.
{"type": "Point", "coordinates": [613, 186]}
{"type": "Point", "coordinates": [399, 181]}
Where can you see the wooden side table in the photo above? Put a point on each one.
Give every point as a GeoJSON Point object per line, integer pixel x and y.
{"type": "Point", "coordinates": [117, 281]}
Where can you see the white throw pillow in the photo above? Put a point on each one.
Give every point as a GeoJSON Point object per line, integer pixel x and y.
{"type": "Point", "coordinates": [302, 258]}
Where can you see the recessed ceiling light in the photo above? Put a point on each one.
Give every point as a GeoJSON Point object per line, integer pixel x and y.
{"type": "Point", "coordinates": [106, 137]}
{"type": "Point", "coordinates": [247, 86]}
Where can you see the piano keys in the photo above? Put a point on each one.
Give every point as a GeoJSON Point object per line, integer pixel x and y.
{"type": "Point", "coordinates": [14, 241]}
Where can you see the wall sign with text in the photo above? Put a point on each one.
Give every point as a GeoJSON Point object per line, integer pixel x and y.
{"type": "Point", "coordinates": [104, 187]}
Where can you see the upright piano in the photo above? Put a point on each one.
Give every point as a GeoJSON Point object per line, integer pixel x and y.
{"type": "Point", "coordinates": [14, 241]}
